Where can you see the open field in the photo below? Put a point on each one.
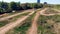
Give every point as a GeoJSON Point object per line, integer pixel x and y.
{"type": "Point", "coordinates": [29, 17]}
{"type": "Point", "coordinates": [42, 21]}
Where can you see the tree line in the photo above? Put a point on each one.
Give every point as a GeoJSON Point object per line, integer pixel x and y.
{"type": "Point", "coordinates": [17, 6]}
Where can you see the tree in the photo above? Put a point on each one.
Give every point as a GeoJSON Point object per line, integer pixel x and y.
{"type": "Point", "coordinates": [13, 5]}
{"type": "Point", "coordinates": [0, 4]}
{"type": "Point", "coordinates": [27, 5]}
{"type": "Point", "coordinates": [38, 6]}
{"type": "Point", "coordinates": [18, 6]}
{"type": "Point", "coordinates": [4, 5]}
{"type": "Point", "coordinates": [1, 10]}
{"type": "Point", "coordinates": [45, 4]}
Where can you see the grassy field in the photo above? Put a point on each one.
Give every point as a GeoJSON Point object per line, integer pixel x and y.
{"type": "Point", "coordinates": [56, 7]}
{"type": "Point", "coordinates": [45, 23]}
{"type": "Point", "coordinates": [45, 26]}
{"type": "Point", "coordinates": [2, 23]}
{"type": "Point", "coordinates": [23, 28]}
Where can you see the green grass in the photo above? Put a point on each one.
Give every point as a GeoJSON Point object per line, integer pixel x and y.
{"type": "Point", "coordinates": [2, 23]}
{"type": "Point", "coordinates": [24, 27]}
{"type": "Point", "coordinates": [56, 7]}
{"type": "Point", "coordinates": [44, 27]}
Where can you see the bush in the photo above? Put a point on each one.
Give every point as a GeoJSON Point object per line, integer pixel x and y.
{"type": "Point", "coordinates": [2, 11]}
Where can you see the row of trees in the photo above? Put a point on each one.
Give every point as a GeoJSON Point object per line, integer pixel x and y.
{"type": "Point", "coordinates": [9, 7]}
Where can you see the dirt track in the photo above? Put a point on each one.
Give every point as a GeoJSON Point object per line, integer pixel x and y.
{"type": "Point", "coordinates": [9, 26]}
{"type": "Point", "coordinates": [6, 18]}
{"type": "Point", "coordinates": [33, 28]}
{"type": "Point", "coordinates": [43, 12]}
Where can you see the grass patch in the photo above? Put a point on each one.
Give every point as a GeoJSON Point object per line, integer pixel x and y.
{"type": "Point", "coordinates": [2, 23]}
{"type": "Point", "coordinates": [43, 25]}
{"type": "Point", "coordinates": [57, 7]}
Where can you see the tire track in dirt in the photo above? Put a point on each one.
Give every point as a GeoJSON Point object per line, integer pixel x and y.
{"type": "Point", "coordinates": [6, 18]}
{"type": "Point", "coordinates": [33, 29]}
{"type": "Point", "coordinates": [11, 25]}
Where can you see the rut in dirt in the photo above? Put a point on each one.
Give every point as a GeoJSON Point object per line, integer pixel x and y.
{"type": "Point", "coordinates": [33, 28]}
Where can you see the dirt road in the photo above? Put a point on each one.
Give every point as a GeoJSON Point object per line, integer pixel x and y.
{"type": "Point", "coordinates": [43, 12]}
{"type": "Point", "coordinates": [33, 28]}
{"type": "Point", "coordinates": [9, 26]}
{"type": "Point", "coordinates": [6, 18]}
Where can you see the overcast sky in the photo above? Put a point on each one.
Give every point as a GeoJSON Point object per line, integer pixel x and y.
{"type": "Point", "coordinates": [34, 1]}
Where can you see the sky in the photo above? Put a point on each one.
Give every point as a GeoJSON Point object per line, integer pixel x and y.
{"type": "Point", "coordinates": [34, 1]}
